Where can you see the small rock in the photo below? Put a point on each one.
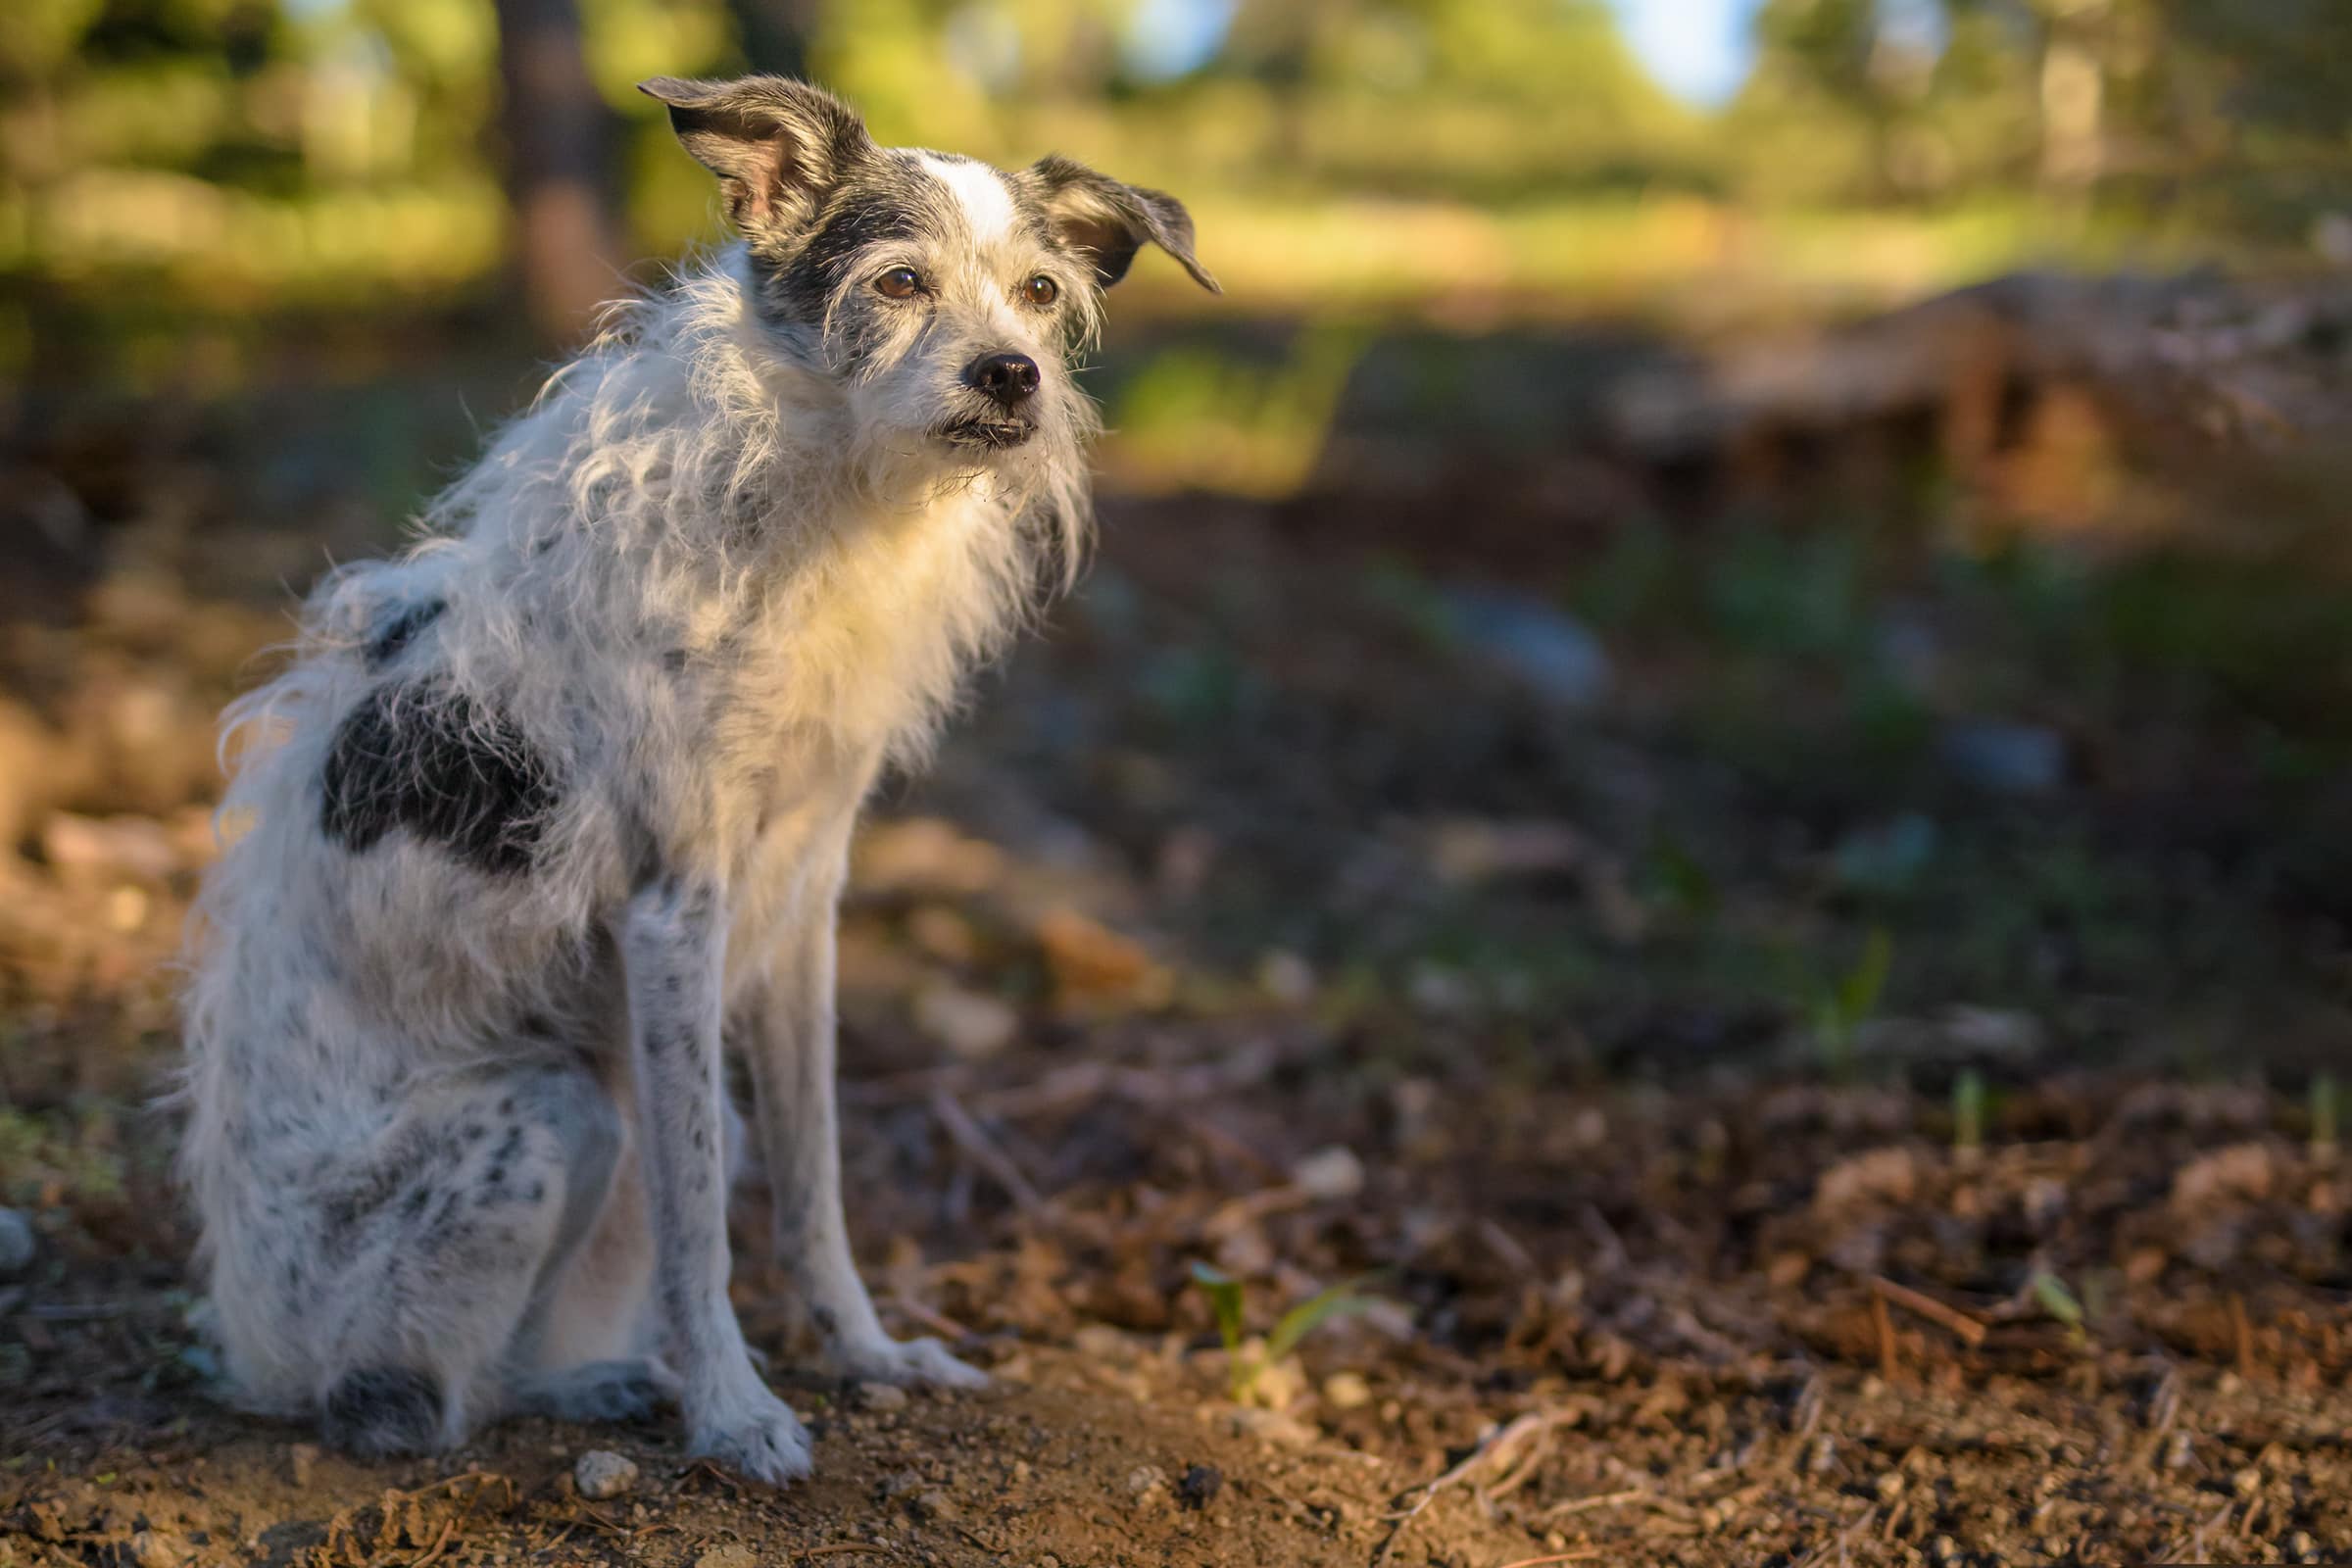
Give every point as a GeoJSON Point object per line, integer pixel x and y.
{"type": "Point", "coordinates": [2247, 1171]}
{"type": "Point", "coordinates": [1547, 650]}
{"type": "Point", "coordinates": [1885, 857]}
{"type": "Point", "coordinates": [1245, 1253]}
{"type": "Point", "coordinates": [1391, 1320]}
{"type": "Point", "coordinates": [1467, 851]}
{"type": "Point", "coordinates": [1275, 1385]}
{"type": "Point", "coordinates": [972, 1025]}
{"type": "Point", "coordinates": [1440, 988]}
{"type": "Point", "coordinates": [733, 1554]}
{"type": "Point", "coordinates": [1287, 978]}
{"type": "Point", "coordinates": [1329, 1173]}
{"type": "Point", "coordinates": [2044, 1203]}
{"type": "Point", "coordinates": [601, 1473]}
{"type": "Point", "coordinates": [1347, 1390]}
{"type": "Point", "coordinates": [934, 1506]}
{"type": "Point", "coordinates": [2181, 1452]}
{"type": "Point", "coordinates": [153, 1548]}
{"type": "Point", "coordinates": [2331, 237]}
{"type": "Point", "coordinates": [1148, 1487]}
{"type": "Point", "coordinates": [17, 1242]}
{"type": "Point", "coordinates": [2006, 758]}
{"type": "Point", "coordinates": [302, 1459]}
{"type": "Point", "coordinates": [1200, 1485]}
{"type": "Point", "coordinates": [1997, 1032]}
{"type": "Point", "coordinates": [881, 1396]}
{"type": "Point", "coordinates": [1873, 1176]}
{"type": "Point", "coordinates": [1270, 1427]}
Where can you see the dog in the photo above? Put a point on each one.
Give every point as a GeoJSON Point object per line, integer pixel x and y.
{"type": "Point", "coordinates": [543, 811]}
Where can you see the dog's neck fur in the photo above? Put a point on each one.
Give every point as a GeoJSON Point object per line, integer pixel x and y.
{"type": "Point", "coordinates": [686, 482]}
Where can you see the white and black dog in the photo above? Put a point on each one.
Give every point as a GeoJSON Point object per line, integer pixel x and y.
{"type": "Point", "coordinates": [554, 803]}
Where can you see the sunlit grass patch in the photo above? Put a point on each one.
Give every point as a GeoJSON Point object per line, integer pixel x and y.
{"type": "Point", "coordinates": [1193, 416]}
{"type": "Point", "coordinates": [212, 245]}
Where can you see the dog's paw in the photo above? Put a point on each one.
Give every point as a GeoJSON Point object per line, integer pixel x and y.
{"type": "Point", "coordinates": [922, 1363]}
{"type": "Point", "coordinates": [759, 1438]}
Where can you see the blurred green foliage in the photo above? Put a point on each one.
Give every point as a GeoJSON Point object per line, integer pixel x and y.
{"type": "Point", "coordinates": [240, 152]}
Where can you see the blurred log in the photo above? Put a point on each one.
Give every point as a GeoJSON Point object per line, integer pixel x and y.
{"type": "Point", "coordinates": [2248, 364]}
{"type": "Point", "coordinates": [559, 140]}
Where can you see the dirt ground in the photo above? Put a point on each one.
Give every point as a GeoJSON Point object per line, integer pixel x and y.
{"type": "Point", "coordinates": [1620, 1329]}
{"type": "Point", "coordinates": [1754, 1130]}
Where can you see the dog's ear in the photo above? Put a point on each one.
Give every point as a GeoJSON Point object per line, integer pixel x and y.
{"type": "Point", "coordinates": [1107, 223]}
{"type": "Point", "coordinates": [775, 144]}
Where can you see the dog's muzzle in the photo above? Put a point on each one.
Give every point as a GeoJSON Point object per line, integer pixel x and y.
{"type": "Point", "coordinates": [1009, 382]}
{"type": "Point", "coordinates": [988, 433]}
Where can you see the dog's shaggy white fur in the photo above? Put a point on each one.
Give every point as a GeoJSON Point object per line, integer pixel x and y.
{"type": "Point", "coordinates": [547, 804]}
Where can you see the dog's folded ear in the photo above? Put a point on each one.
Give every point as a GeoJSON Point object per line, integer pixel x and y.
{"type": "Point", "coordinates": [775, 144]}
{"type": "Point", "coordinates": [1107, 222]}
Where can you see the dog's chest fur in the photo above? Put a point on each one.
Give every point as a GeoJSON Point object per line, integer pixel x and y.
{"type": "Point", "coordinates": [870, 636]}
{"type": "Point", "coordinates": [850, 664]}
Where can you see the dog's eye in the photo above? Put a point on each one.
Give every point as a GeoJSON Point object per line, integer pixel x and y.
{"type": "Point", "coordinates": [900, 283]}
{"type": "Point", "coordinates": [1042, 290]}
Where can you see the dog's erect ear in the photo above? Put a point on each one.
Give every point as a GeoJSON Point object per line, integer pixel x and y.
{"type": "Point", "coordinates": [1108, 222]}
{"type": "Point", "coordinates": [775, 144]}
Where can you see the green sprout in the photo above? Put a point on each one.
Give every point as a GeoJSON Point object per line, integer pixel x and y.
{"type": "Point", "coordinates": [1227, 1298]}
{"type": "Point", "coordinates": [1968, 1117]}
{"type": "Point", "coordinates": [1837, 1018]}
{"type": "Point", "coordinates": [2052, 1296]}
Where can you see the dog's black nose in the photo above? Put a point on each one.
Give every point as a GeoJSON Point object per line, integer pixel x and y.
{"type": "Point", "coordinates": [1010, 378]}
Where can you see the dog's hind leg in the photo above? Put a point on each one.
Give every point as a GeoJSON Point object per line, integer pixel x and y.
{"type": "Point", "coordinates": [453, 1225]}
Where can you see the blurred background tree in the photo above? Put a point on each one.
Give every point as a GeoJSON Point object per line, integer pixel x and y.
{"type": "Point", "coordinates": [224, 155]}
{"type": "Point", "coordinates": [559, 167]}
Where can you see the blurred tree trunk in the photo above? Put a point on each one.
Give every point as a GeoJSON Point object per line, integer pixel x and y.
{"type": "Point", "coordinates": [2074, 93]}
{"type": "Point", "coordinates": [775, 34]}
{"type": "Point", "coordinates": [559, 137]}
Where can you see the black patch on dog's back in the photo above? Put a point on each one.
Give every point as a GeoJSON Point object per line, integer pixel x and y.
{"type": "Point", "coordinates": [395, 634]}
{"type": "Point", "coordinates": [421, 756]}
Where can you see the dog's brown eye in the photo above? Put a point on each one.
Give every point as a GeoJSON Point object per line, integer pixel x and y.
{"type": "Point", "coordinates": [900, 283]}
{"type": "Point", "coordinates": [1042, 290]}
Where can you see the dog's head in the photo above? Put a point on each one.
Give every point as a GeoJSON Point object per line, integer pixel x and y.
{"type": "Point", "coordinates": [945, 296]}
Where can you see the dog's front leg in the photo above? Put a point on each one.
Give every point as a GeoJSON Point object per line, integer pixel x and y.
{"type": "Point", "coordinates": [789, 1037]}
{"type": "Point", "coordinates": [673, 941]}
